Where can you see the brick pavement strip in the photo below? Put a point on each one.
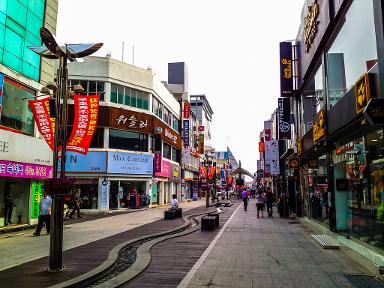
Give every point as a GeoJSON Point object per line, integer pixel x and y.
{"type": "Point", "coordinates": [264, 252]}
{"type": "Point", "coordinates": [80, 259]}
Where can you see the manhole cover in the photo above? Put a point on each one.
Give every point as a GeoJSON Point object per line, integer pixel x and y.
{"type": "Point", "coordinates": [364, 281]}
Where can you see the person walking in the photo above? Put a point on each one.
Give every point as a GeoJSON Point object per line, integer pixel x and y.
{"type": "Point", "coordinates": [44, 215]}
{"type": "Point", "coordinates": [76, 204]}
{"type": "Point", "coordinates": [9, 203]}
{"type": "Point", "coordinates": [269, 199]}
{"type": "Point", "coordinates": [260, 204]}
{"type": "Point", "coordinates": [244, 195]}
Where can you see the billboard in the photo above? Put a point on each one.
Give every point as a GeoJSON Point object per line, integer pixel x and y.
{"type": "Point", "coordinates": [286, 69]}
{"type": "Point", "coordinates": [284, 118]}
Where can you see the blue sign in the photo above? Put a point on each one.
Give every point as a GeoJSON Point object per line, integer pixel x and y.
{"type": "Point", "coordinates": [129, 163]}
{"type": "Point", "coordinates": [93, 162]}
{"type": "Point", "coordinates": [104, 197]}
{"type": "Point", "coordinates": [186, 133]}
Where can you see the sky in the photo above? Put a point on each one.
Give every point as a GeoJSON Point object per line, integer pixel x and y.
{"type": "Point", "coordinates": [231, 48]}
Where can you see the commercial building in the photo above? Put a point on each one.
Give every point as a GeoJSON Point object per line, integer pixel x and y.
{"type": "Point", "coordinates": [338, 111]}
{"type": "Point", "coordinates": [136, 149]}
{"type": "Point", "coordinates": [22, 75]}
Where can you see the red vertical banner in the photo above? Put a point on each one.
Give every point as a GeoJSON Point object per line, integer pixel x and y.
{"type": "Point", "coordinates": [85, 122]}
{"type": "Point", "coordinates": [45, 124]}
{"type": "Point", "coordinates": [186, 110]}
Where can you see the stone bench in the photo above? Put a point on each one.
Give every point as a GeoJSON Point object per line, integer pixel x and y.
{"type": "Point", "coordinates": [208, 223]}
{"type": "Point", "coordinates": [173, 213]}
{"type": "Point", "coordinates": [217, 218]}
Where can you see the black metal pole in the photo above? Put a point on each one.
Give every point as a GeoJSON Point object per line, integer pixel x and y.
{"type": "Point", "coordinates": [56, 238]}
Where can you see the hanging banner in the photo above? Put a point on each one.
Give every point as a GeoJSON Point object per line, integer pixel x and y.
{"type": "Point", "coordinates": [284, 118]}
{"type": "Point", "coordinates": [212, 170]}
{"type": "Point", "coordinates": [261, 147]}
{"type": "Point", "coordinates": [85, 122]}
{"type": "Point", "coordinates": [286, 77]}
{"type": "Point", "coordinates": [267, 130]}
{"type": "Point", "coordinates": [273, 151]}
{"type": "Point", "coordinates": [45, 124]}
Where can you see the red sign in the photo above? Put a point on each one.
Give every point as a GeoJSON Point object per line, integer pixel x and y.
{"type": "Point", "coordinates": [85, 122]}
{"type": "Point", "coordinates": [157, 162]}
{"type": "Point", "coordinates": [45, 124]}
{"type": "Point", "coordinates": [212, 171]}
{"type": "Point", "coordinates": [261, 147]}
{"type": "Point", "coordinates": [186, 110]}
{"type": "Point", "coordinates": [201, 128]}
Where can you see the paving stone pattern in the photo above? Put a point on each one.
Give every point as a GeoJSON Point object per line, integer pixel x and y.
{"type": "Point", "coordinates": [80, 259]}
{"type": "Point", "coordinates": [172, 259]}
{"type": "Point", "coordinates": [269, 252]}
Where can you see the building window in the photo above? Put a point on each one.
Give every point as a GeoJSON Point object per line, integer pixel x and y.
{"type": "Point", "coordinates": [90, 87]}
{"type": "Point", "coordinates": [16, 113]}
{"type": "Point", "coordinates": [167, 151]}
{"type": "Point", "coordinates": [126, 140]}
{"type": "Point", "coordinates": [20, 23]}
{"type": "Point", "coordinates": [129, 96]}
{"type": "Point", "coordinates": [175, 124]}
{"type": "Point", "coordinates": [174, 154]}
{"type": "Point", "coordinates": [353, 51]}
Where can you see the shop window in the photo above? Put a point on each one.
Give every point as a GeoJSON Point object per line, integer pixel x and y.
{"type": "Point", "coordinates": [126, 140]}
{"type": "Point", "coordinates": [16, 113]}
{"type": "Point", "coordinates": [124, 194]}
{"type": "Point", "coordinates": [167, 151]}
{"type": "Point", "coordinates": [88, 193]}
{"type": "Point", "coordinates": [353, 51]}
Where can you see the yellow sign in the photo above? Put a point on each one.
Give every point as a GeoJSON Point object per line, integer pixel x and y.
{"type": "Point", "coordinates": [313, 164]}
{"type": "Point", "coordinates": [362, 93]}
{"type": "Point", "coordinates": [299, 144]}
{"type": "Point", "coordinates": [293, 163]}
{"type": "Point", "coordinates": [319, 126]}
{"type": "Point", "coordinates": [310, 25]}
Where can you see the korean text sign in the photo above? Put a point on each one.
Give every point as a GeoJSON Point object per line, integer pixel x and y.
{"type": "Point", "coordinates": [85, 123]}
{"type": "Point", "coordinates": [286, 78]}
{"type": "Point", "coordinates": [45, 124]}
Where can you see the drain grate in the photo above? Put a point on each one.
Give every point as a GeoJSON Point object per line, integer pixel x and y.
{"type": "Point", "coordinates": [293, 222]}
{"type": "Point", "coordinates": [234, 229]}
{"type": "Point", "coordinates": [326, 241]}
{"type": "Point", "coordinates": [364, 281]}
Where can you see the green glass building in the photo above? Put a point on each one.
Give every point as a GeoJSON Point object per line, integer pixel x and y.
{"type": "Point", "coordinates": [20, 22]}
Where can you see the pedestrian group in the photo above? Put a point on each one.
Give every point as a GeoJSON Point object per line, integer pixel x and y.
{"type": "Point", "coordinates": [264, 198]}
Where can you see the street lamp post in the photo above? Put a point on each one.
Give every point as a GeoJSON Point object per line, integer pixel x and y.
{"type": "Point", "coordinates": [52, 50]}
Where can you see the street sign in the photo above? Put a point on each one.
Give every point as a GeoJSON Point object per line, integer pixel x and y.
{"type": "Point", "coordinates": [374, 111]}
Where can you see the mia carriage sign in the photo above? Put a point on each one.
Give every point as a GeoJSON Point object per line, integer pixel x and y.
{"type": "Point", "coordinates": [54, 129]}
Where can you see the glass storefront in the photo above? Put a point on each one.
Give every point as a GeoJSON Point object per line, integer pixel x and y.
{"type": "Point", "coordinates": [359, 182]}
{"type": "Point", "coordinates": [89, 192]}
{"type": "Point", "coordinates": [317, 198]}
{"type": "Point", "coordinates": [14, 201]}
{"type": "Point", "coordinates": [123, 194]}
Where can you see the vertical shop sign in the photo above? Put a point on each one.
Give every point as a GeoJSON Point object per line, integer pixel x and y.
{"type": "Point", "coordinates": [1, 92]}
{"type": "Point", "coordinates": [286, 77]}
{"type": "Point", "coordinates": [186, 133]}
{"type": "Point", "coordinates": [273, 148]}
{"type": "Point", "coordinates": [267, 130]}
{"type": "Point", "coordinates": [36, 195]}
{"type": "Point", "coordinates": [85, 122]}
{"type": "Point", "coordinates": [362, 93]}
{"type": "Point", "coordinates": [201, 144]}
{"type": "Point", "coordinates": [261, 147]}
{"type": "Point", "coordinates": [104, 193]}
{"type": "Point", "coordinates": [157, 163]}
{"type": "Point", "coordinates": [186, 110]}
{"type": "Point", "coordinates": [284, 118]}
{"type": "Point", "coordinates": [45, 124]}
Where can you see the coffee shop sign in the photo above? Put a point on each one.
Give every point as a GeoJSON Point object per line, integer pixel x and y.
{"type": "Point", "coordinates": [133, 122]}
{"type": "Point", "coordinates": [170, 135]}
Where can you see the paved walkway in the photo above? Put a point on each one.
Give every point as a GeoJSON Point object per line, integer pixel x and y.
{"type": "Point", "coordinates": [270, 252]}
{"type": "Point", "coordinates": [24, 248]}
